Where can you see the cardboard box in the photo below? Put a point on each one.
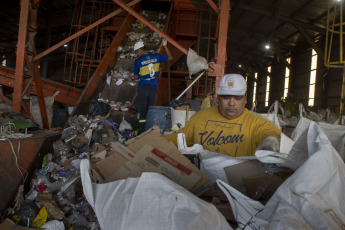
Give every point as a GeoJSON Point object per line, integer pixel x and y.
{"type": "Point", "coordinates": [149, 152]}
{"type": "Point", "coordinates": [256, 179]}
{"type": "Point", "coordinates": [114, 167]}
{"type": "Point", "coordinates": [98, 148]}
{"type": "Point", "coordinates": [237, 172]}
{"type": "Point", "coordinates": [262, 187]}
{"type": "Point", "coordinates": [8, 224]}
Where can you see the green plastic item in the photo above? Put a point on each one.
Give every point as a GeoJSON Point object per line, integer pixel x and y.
{"type": "Point", "coordinates": [22, 124]}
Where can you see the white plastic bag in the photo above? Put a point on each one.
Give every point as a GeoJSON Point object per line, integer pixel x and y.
{"type": "Point", "coordinates": [212, 163]}
{"type": "Point", "coordinates": [195, 62]}
{"type": "Point", "coordinates": [334, 132]}
{"type": "Point", "coordinates": [148, 203]}
{"type": "Point", "coordinates": [36, 112]}
{"type": "Point", "coordinates": [272, 114]}
{"type": "Point", "coordinates": [54, 225]}
{"type": "Point", "coordinates": [124, 125]}
{"type": "Point", "coordinates": [311, 198]}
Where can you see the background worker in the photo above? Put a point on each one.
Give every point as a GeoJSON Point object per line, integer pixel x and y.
{"type": "Point", "coordinates": [146, 68]}
{"type": "Point", "coordinates": [229, 128]}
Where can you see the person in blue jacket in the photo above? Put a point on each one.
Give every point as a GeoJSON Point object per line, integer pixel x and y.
{"type": "Point", "coordinates": [146, 69]}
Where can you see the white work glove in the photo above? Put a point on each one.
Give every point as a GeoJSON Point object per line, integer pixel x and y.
{"type": "Point", "coordinates": [164, 42]}
{"type": "Point", "coordinates": [269, 143]}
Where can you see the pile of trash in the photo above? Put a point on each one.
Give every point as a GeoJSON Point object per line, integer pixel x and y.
{"type": "Point", "coordinates": [55, 199]}
{"type": "Point", "coordinates": [16, 125]}
{"type": "Point", "coordinates": [55, 188]}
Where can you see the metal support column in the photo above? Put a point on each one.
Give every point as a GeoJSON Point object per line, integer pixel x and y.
{"type": "Point", "coordinates": [27, 28]}
{"type": "Point", "coordinates": [222, 39]}
{"type": "Point", "coordinates": [19, 73]}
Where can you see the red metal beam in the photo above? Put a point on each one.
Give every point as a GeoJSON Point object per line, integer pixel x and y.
{"type": "Point", "coordinates": [40, 96]}
{"type": "Point", "coordinates": [151, 26]}
{"type": "Point", "coordinates": [222, 39]}
{"type": "Point", "coordinates": [19, 72]}
{"type": "Point", "coordinates": [54, 47]}
{"type": "Point", "coordinates": [6, 99]}
{"type": "Point", "coordinates": [213, 6]}
{"type": "Point", "coordinates": [67, 94]}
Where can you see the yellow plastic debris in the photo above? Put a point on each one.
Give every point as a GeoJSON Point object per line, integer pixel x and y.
{"type": "Point", "coordinates": [40, 219]}
{"type": "Point", "coordinates": [206, 103]}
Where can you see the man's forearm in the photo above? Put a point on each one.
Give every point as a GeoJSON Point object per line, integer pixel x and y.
{"type": "Point", "coordinates": [269, 143]}
{"type": "Point", "coordinates": [168, 53]}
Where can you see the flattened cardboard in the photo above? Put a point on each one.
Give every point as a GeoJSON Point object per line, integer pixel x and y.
{"type": "Point", "coordinates": [153, 160]}
{"type": "Point", "coordinates": [262, 187]}
{"type": "Point", "coordinates": [8, 224]}
{"type": "Point", "coordinates": [154, 138]}
{"type": "Point", "coordinates": [237, 172]}
{"type": "Point", "coordinates": [126, 152]}
{"type": "Point", "coordinates": [115, 167]}
{"type": "Point", "coordinates": [149, 152]}
{"type": "Point", "coordinates": [100, 155]}
{"type": "Point", "coordinates": [98, 148]}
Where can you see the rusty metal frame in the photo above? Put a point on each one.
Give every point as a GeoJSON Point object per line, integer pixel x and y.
{"type": "Point", "coordinates": [213, 6]}
{"type": "Point", "coordinates": [28, 18]}
{"type": "Point", "coordinates": [107, 61]}
{"type": "Point", "coordinates": [19, 72]}
{"type": "Point", "coordinates": [151, 26]}
{"type": "Point", "coordinates": [54, 47]}
{"type": "Point", "coordinates": [67, 95]}
{"type": "Point", "coordinates": [218, 69]}
{"type": "Point", "coordinates": [40, 96]}
{"type": "Point", "coordinates": [6, 99]}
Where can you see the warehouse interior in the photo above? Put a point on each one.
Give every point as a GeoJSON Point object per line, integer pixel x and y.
{"type": "Point", "coordinates": [67, 89]}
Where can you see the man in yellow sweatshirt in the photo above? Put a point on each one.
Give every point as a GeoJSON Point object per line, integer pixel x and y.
{"type": "Point", "coordinates": [228, 127]}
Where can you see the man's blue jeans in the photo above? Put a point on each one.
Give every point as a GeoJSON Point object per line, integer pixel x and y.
{"type": "Point", "coordinates": [146, 98]}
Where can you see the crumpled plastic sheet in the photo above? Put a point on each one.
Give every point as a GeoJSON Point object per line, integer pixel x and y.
{"type": "Point", "coordinates": [133, 36]}
{"type": "Point", "coordinates": [63, 172]}
{"type": "Point", "coordinates": [60, 148]}
{"type": "Point", "coordinates": [80, 214]}
{"type": "Point", "coordinates": [99, 108]}
{"type": "Point", "coordinates": [76, 220]}
{"type": "Point", "coordinates": [27, 213]}
{"type": "Point", "coordinates": [113, 124]}
{"type": "Point", "coordinates": [69, 132]}
{"type": "Point", "coordinates": [77, 121]}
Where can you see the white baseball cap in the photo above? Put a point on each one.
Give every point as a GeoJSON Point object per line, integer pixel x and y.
{"type": "Point", "coordinates": [138, 45]}
{"type": "Point", "coordinates": [232, 84]}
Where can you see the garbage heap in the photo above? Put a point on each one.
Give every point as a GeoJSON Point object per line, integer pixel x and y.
{"type": "Point", "coordinates": [120, 89]}
{"type": "Point", "coordinates": [55, 199]}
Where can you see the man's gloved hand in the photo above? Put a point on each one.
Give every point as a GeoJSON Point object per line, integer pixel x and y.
{"type": "Point", "coordinates": [269, 143]}
{"type": "Point", "coordinates": [164, 42]}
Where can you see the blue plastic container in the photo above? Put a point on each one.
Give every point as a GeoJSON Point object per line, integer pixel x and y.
{"type": "Point", "coordinates": [158, 116]}
{"type": "Point", "coordinates": [193, 104]}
